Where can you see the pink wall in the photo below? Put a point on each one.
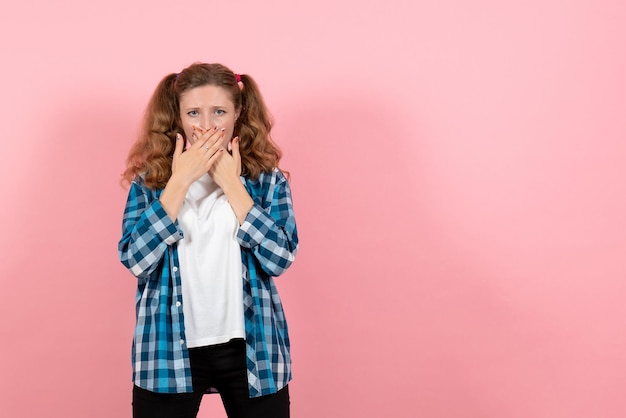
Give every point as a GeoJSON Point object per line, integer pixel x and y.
{"type": "Point", "coordinates": [459, 180]}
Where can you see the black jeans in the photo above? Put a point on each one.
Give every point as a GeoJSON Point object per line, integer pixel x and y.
{"type": "Point", "coordinates": [222, 367]}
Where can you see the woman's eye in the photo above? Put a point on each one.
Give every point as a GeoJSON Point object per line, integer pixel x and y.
{"type": "Point", "coordinates": [220, 112]}
{"type": "Point", "coordinates": [193, 113]}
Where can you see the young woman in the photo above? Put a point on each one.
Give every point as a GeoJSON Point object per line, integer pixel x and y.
{"type": "Point", "coordinates": [208, 223]}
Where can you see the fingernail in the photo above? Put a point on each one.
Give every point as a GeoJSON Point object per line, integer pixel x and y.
{"type": "Point", "coordinates": [223, 129]}
{"type": "Point", "coordinates": [179, 137]}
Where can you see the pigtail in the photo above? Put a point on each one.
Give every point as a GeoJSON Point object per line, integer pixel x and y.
{"type": "Point", "coordinates": [258, 151]}
{"type": "Point", "coordinates": [151, 155]}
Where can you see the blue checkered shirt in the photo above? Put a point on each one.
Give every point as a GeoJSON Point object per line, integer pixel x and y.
{"type": "Point", "coordinates": [268, 240]}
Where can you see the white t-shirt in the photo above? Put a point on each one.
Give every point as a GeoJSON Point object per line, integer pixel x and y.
{"type": "Point", "coordinates": [210, 266]}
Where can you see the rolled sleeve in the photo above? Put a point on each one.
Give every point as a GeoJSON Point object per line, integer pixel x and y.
{"type": "Point", "coordinates": [162, 226]}
{"type": "Point", "coordinates": [147, 231]}
{"type": "Point", "coordinates": [254, 228]}
{"type": "Point", "coordinates": [270, 233]}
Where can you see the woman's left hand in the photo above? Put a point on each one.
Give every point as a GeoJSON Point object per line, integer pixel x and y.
{"type": "Point", "coordinates": [225, 172]}
{"type": "Point", "coordinates": [227, 168]}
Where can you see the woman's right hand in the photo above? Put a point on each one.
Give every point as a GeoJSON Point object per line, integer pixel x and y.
{"type": "Point", "coordinates": [189, 166]}
{"type": "Point", "coordinates": [196, 161]}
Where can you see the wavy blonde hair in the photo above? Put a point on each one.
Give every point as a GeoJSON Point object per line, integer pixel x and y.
{"type": "Point", "coordinates": [151, 155]}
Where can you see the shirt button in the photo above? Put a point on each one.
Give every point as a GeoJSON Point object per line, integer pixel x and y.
{"type": "Point", "coordinates": [175, 269]}
{"type": "Point", "coordinates": [178, 304]}
{"type": "Point", "coordinates": [182, 342]}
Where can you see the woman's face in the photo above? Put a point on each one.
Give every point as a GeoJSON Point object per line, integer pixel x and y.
{"type": "Point", "coordinates": [206, 107]}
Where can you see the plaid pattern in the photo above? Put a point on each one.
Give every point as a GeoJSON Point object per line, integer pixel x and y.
{"type": "Point", "coordinates": [269, 242]}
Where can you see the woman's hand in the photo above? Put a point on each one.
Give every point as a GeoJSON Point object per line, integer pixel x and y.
{"type": "Point", "coordinates": [189, 166]}
{"type": "Point", "coordinates": [227, 167]}
{"type": "Point", "coordinates": [200, 157]}
{"type": "Point", "coordinates": [225, 172]}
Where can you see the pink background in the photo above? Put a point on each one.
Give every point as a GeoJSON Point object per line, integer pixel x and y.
{"type": "Point", "coordinates": [459, 182]}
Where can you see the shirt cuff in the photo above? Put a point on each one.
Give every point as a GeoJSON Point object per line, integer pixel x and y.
{"type": "Point", "coordinates": [162, 225]}
{"type": "Point", "coordinates": [254, 228]}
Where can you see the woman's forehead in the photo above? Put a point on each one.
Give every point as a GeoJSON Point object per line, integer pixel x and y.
{"type": "Point", "coordinates": [207, 95]}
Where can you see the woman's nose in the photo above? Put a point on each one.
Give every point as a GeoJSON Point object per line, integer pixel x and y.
{"type": "Point", "coordinates": [206, 123]}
